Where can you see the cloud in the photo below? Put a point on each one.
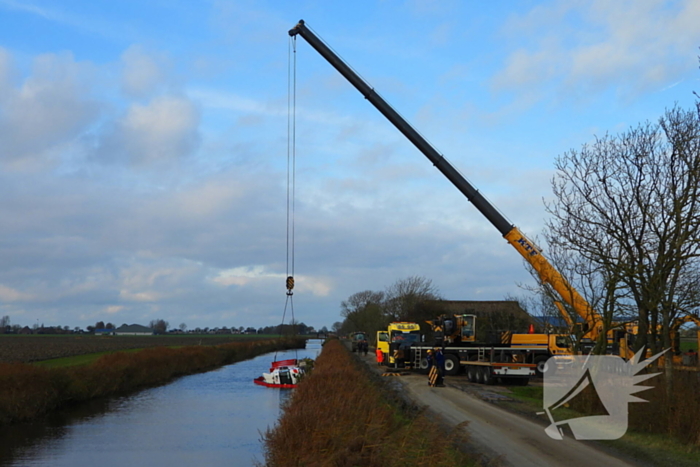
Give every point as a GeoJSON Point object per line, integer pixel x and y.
{"type": "Point", "coordinates": [261, 276]}
{"type": "Point", "coordinates": [50, 109]}
{"type": "Point", "coordinates": [144, 73]}
{"type": "Point", "coordinates": [8, 294]}
{"type": "Point", "coordinates": [583, 48]}
{"type": "Point", "coordinates": [5, 72]}
{"type": "Point", "coordinates": [165, 129]}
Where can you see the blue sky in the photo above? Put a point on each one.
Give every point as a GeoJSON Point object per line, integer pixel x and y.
{"type": "Point", "coordinates": [143, 146]}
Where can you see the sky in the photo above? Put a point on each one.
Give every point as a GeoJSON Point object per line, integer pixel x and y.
{"type": "Point", "coordinates": [143, 146]}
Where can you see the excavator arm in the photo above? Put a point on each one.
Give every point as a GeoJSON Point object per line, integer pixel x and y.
{"type": "Point", "coordinates": [546, 272]}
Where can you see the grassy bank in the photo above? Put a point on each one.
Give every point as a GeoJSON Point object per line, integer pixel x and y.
{"type": "Point", "coordinates": [40, 347]}
{"type": "Point", "coordinates": [660, 432]}
{"type": "Point", "coordinates": [29, 391]}
{"type": "Point", "coordinates": [341, 416]}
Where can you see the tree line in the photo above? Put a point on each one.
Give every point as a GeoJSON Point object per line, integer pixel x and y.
{"type": "Point", "coordinates": [160, 326]}
{"type": "Point", "coordinates": [370, 311]}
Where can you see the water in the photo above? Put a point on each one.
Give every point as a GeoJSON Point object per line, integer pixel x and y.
{"type": "Point", "coordinates": [210, 419]}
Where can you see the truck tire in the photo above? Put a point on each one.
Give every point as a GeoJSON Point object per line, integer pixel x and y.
{"type": "Point", "coordinates": [542, 367]}
{"type": "Point", "coordinates": [479, 375]}
{"type": "Point", "coordinates": [451, 365]}
{"type": "Point", "coordinates": [471, 373]}
{"type": "Point", "coordinates": [423, 365]}
{"type": "Point", "coordinates": [486, 376]}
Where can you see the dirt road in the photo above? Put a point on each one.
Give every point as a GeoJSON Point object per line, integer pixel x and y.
{"type": "Point", "coordinates": [499, 434]}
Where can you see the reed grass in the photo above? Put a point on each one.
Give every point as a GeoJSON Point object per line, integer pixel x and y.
{"type": "Point", "coordinates": [30, 391]}
{"type": "Point", "coordinates": [676, 414]}
{"type": "Point", "coordinates": [339, 416]}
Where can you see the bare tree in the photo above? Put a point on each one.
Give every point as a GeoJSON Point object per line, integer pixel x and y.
{"type": "Point", "coordinates": [630, 206]}
{"type": "Point", "coordinates": [360, 300]}
{"type": "Point", "coordinates": [159, 326]}
{"type": "Point", "coordinates": [404, 297]}
{"type": "Point", "coordinates": [363, 312]}
{"type": "Point", "coordinates": [4, 323]}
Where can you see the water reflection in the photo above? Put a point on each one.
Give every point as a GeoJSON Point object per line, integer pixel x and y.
{"type": "Point", "coordinates": [213, 418]}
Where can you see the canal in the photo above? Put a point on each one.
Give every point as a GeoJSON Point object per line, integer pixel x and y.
{"type": "Point", "coordinates": [210, 419]}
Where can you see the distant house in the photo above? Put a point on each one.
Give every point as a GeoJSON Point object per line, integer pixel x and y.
{"type": "Point", "coordinates": [26, 330]}
{"type": "Point", "coordinates": [133, 330]}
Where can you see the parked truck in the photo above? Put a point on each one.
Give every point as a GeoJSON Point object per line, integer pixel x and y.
{"type": "Point", "coordinates": [395, 340]}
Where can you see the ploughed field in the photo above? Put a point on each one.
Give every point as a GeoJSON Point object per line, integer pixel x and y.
{"type": "Point", "coordinates": [33, 348]}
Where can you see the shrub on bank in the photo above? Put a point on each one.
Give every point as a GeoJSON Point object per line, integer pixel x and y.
{"type": "Point", "coordinates": [339, 417]}
{"type": "Point", "coordinates": [28, 391]}
{"type": "Point", "coordinates": [676, 416]}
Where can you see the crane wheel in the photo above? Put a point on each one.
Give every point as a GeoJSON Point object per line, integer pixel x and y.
{"type": "Point", "coordinates": [543, 367]}
{"type": "Point", "coordinates": [451, 365]}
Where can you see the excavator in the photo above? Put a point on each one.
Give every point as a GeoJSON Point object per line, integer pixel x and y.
{"type": "Point", "coordinates": [591, 321]}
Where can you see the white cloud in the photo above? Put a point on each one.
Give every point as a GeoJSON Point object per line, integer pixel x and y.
{"type": "Point", "coordinates": [50, 108]}
{"type": "Point", "coordinates": [9, 294]}
{"type": "Point", "coordinates": [244, 275]}
{"type": "Point", "coordinates": [165, 129]}
{"type": "Point", "coordinates": [143, 72]}
{"type": "Point", "coordinates": [208, 199]}
{"type": "Point", "coordinates": [129, 296]}
{"type": "Point", "coordinates": [259, 275]}
{"type": "Point", "coordinates": [582, 48]}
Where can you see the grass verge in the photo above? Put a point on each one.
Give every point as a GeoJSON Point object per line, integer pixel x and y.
{"type": "Point", "coordinates": [77, 360]}
{"type": "Point", "coordinates": [657, 449]}
{"type": "Point", "coordinates": [29, 391]}
{"type": "Point", "coordinates": [341, 416]}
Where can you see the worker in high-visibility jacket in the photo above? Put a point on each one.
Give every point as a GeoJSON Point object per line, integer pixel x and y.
{"type": "Point", "coordinates": [440, 365]}
{"type": "Point", "coordinates": [380, 357]}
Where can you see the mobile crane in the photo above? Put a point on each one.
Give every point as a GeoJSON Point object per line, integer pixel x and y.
{"type": "Point", "coordinates": [592, 322]}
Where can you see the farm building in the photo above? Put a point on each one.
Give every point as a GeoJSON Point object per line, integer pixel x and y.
{"type": "Point", "coordinates": [133, 330]}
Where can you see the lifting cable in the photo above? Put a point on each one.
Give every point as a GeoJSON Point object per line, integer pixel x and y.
{"type": "Point", "coordinates": [291, 175]}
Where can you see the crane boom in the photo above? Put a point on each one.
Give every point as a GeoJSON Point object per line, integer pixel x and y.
{"type": "Point", "coordinates": [546, 272]}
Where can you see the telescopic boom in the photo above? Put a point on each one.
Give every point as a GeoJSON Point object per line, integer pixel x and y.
{"type": "Point", "coordinates": [547, 273]}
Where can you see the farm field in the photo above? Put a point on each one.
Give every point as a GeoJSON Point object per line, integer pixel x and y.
{"type": "Point", "coordinates": [34, 348]}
